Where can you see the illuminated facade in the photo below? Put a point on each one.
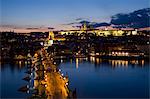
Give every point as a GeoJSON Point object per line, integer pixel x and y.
{"type": "Point", "coordinates": [100, 32]}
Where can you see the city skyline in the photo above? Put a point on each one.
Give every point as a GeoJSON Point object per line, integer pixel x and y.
{"type": "Point", "coordinates": [74, 49]}
{"type": "Point", "coordinates": [54, 13]}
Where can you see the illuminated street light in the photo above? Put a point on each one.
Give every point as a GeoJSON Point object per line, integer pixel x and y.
{"type": "Point", "coordinates": [46, 79]}
{"type": "Point", "coordinates": [27, 86]}
{"type": "Point", "coordinates": [127, 53]}
{"type": "Point", "coordinates": [59, 69]}
{"type": "Point", "coordinates": [119, 53]}
{"type": "Point", "coordinates": [66, 83]}
{"type": "Point", "coordinates": [45, 85]}
{"type": "Point", "coordinates": [45, 75]}
{"type": "Point", "coordinates": [123, 53]}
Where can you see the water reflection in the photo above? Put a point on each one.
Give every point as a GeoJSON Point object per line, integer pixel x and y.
{"type": "Point", "coordinates": [12, 73]}
{"type": "Point", "coordinates": [77, 63]}
{"type": "Point", "coordinates": [15, 64]}
{"type": "Point", "coordinates": [83, 69]}
{"type": "Point", "coordinates": [71, 60]}
{"type": "Point", "coordinates": [97, 78]}
{"type": "Point", "coordinates": [118, 63]}
{"type": "Point", "coordinates": [112, 62]}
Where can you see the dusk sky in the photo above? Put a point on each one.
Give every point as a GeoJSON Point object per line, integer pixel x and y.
{"type": "Point", "coordinates": [58, 12]}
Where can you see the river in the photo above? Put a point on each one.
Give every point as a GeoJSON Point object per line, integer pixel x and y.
{"type": "Point", "coordinates": [96, 78]}
{"type": "Point", "coordinates": [92, 78]}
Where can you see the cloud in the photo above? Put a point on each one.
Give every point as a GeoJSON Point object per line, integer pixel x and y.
{"type": "Point", "coordinates": [79, 19]}
{"type": "Point", "coordinates": [136, 19]}
{"type": "Point", "coordinates": [95, 25]}
{"type": "Point", "coordinates": [85, 22]}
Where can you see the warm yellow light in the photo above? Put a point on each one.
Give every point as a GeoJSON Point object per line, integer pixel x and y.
{"type": "Point", "coordinates": [113, 63]}
{"type": "Point", "coordinates": [127, 53]}
{"type": "Point", "coordinates": [35, 54]}
{"type": "Point", "coordinates": [119, 53]}
{"type": "Point", "coordinates": [46, 79]}
{"type": "Point", "coordinates": [142, 62]}
{"type": "Point", "coordinates": [45, 75]}
{"type": "Point", "coordinates": [97, 60]}
{"type": "Point", "coordinates": [77, 63]}
{"type": "Point", "coordinates": [93, 59]}
{"type": "Point", "coordinates": [97, 53]}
